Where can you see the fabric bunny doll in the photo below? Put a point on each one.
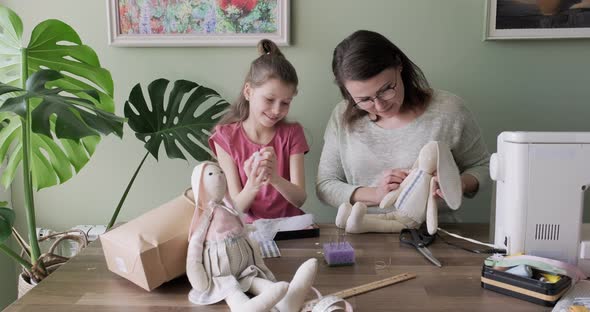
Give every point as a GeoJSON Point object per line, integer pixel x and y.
{"type": "Point", "coordinates": [414, 201]}
{"type": "Point", "coordinates": [223, 263]}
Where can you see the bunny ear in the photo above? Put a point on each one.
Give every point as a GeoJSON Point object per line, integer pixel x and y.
{"type": "Point", "coordinates": [415, 165]}
{"type": "Point", "coordinates": [196, 179]}
{"type": "Point", "coordinates": [449, 179]}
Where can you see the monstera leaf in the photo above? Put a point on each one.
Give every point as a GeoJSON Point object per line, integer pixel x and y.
{"type": "Point", "coordinates": [184, 119]}
{"type": "Point", "coordinates": [6, 222]}
{"type": "Point", "coordinates": [175, 121]}
{"type": "Point", "coordinates": [53, 45]}
{"type": "Point", "coordinates": [77, 122]}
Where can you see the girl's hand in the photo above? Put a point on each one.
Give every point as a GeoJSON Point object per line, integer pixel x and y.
{"type": "Point", "coordinates": [248, 165]}
{"type": "Point", "coordinates": [390, 181]}
{"type": "Point", "coordinates": [268, 164]}
{"type": "Point", "coordinates": [257, 175]}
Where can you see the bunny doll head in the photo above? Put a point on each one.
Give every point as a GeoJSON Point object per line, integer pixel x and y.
{"type": "Point", "coordinates": [213, 182]}
{"type": "Point", "coordinates": [209, 185]}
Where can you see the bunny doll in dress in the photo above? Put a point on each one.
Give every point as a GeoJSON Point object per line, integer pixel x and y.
{"type": "Point", "coordinates": [414, 201]}
{"type": "Point", "coordinates": [223, 263]}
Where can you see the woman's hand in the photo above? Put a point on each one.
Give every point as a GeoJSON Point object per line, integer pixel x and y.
{"type": "Point", "coordinates": [390, 181]}
{"type": "Point", "coordinates": [465, 180]}
{"type": "Point", "coordinates": [437, 191]}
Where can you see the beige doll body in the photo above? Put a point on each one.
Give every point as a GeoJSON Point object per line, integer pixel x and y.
{"type": "Point", "coordinates": [414, 201]}
{"type": "Point", "coordinates": [223, 263]}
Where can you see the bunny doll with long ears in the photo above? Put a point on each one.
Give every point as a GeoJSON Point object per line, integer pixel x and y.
{"type": "Point", "coordinates": [414, 201]}
{"type": "Point", "coordinates": [223, 263]}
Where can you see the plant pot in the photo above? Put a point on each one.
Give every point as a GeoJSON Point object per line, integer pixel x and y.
{"type": "Point", "coordinates": [51, 260]}
{"type": "Point", "coordinates": [24, 284]}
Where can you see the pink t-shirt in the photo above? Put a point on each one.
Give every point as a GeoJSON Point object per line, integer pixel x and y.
{"type": "Point", "coordinates": [288, 140]}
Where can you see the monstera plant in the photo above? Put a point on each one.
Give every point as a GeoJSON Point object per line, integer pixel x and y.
{"type": "Point", "coordinates": [183, 119]}
{"type": "Point", "coordinates": [55, 103]}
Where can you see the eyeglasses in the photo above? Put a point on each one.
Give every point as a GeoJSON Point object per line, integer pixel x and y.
{"type": "Point", "coordinates": [383, 96]}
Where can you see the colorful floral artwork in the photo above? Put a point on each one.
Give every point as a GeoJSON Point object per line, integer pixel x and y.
{"type": "Point", "coordinates": [157, 17]}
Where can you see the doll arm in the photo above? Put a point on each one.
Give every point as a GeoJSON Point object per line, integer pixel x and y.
{"type": "Point", "coordinates": [389, 199]}
{"type": "Point", "coordinates": [258, 261]}
{"type": "Point", "coordinates": [195, 271]}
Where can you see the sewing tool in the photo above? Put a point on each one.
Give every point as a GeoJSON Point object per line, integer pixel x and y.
{"type": "Point", "coordinates": [350, 292]}
{"type": "Point", "coordinates": [419, 240]}
{"type": "Point", "coordinates": [524, 287]}
{"type": "Point", "coordinates": [338, 254]}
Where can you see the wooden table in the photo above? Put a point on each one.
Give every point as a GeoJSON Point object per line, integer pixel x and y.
{"type": "Point", "coordinates": [85, 283]}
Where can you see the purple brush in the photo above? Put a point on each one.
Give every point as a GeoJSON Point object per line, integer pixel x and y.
{"type": "Point", "coordinates": [338, 254]}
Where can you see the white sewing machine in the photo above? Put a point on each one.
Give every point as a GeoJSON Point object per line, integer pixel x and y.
{"type": "Point", "coordinates": [540, 179]}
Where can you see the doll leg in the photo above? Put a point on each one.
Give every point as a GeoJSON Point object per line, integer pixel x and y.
{"type": "Point", "coordinates": [238, 301]}
{"type": "Point", "coordinates": [342, 215]}
{"type": "Point", "coordinates": [354, 223]}
{"type": "Point", "coordinates": [258, 261]}
{"type": "Point", "coordinates": [259, 285]}
{"type": "Point", "coordinates": [358, 222]}
{"type": "Point", "coordinates": [298, 288]}
{"type": "Point", "coordinates": [382, 216]}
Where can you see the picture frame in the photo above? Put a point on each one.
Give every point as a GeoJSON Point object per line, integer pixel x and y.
{"type": "Point", "coordinates": [537, 19]}
{"type": "Point", "coordinates": [189, 23]}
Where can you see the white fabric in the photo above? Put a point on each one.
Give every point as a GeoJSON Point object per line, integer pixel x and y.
{"type": "Point", "coordinates": [231, 265]}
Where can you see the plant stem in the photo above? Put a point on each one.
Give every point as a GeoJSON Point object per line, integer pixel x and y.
{"type": "Point", "coordinates": [27, 173]}
{"type": "Point", "coordinates": [15, 256]}
{"type": "Point", "coordinates": [116, 213]}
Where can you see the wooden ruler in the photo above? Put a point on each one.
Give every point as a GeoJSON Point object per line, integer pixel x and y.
{"type": "Point", "coordinates": [350, 292]}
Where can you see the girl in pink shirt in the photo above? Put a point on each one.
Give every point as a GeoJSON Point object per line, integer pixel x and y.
{"type": "Point", "coordinates": [260, 153]}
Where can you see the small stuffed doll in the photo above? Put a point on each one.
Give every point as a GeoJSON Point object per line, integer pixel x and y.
{"type": "Point", "coordinates": [414, 201]}
{"type": "Point", "coordinates": [223, 263]}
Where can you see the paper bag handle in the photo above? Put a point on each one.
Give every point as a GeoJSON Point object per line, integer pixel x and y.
{"type": "Point", "coordinates": [185, 195]}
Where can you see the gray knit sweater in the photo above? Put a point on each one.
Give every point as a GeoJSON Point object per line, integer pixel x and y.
{"type": "Point", "coordinates": [352, 158]}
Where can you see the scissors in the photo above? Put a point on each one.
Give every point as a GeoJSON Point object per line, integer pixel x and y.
{"type": "Point", "coordinates": [419, 240]}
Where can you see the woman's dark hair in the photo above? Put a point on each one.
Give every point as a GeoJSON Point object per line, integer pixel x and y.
{"type": "Point", "coordinates": [271, 64]}
{"type": "Point", "coordinates": [365, 54]}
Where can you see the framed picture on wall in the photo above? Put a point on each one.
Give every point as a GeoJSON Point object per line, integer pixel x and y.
{"type": "Point", "coordinates": [534, 19]}
{"type": "Point", "coordinates": [151, 23]}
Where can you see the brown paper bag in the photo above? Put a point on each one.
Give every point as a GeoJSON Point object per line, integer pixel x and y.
{"type": "Point", "coordinates": [151, 249]}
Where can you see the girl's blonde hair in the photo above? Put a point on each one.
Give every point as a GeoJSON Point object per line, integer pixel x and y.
{"type": "Point", "coordinates": [271, 64]}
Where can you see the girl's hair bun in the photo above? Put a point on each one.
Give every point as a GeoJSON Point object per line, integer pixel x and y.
{"type": "Point", "coordinates": [266, 46]}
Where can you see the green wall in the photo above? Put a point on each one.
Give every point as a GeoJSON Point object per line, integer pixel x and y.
{"type": "Point", "coordinates": [7, 272]}
{"type": "Point", "coordinates": [8, 281]}
{"type": "Point", "coordinates": [509, 85]}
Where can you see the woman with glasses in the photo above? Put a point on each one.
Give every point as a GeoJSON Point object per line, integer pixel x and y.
{"type": "Point", "coordinates": [388, 114]}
